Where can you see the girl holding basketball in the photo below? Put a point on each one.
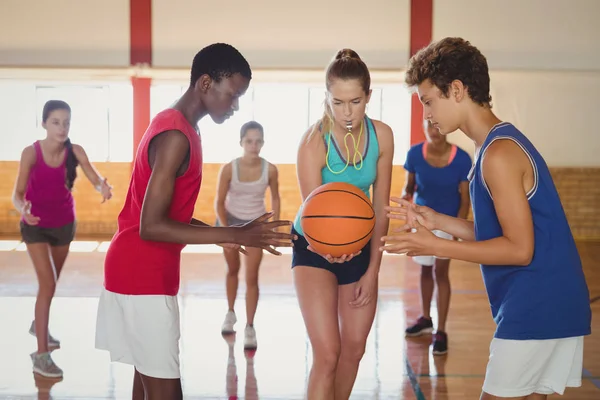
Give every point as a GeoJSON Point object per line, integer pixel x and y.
{"type": "Point", "coordinates": [338, 296]}
{"type": "Point", "coordinates": [437, 172]}
{"type": "Point", "coordinates": [240, 199]}
{"type": "Point", "coordinates": [42, 194]}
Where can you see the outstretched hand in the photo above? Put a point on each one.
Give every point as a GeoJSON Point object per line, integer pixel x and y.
{"type": "Point", "coordinates": [29, 218]}
{"type": "Point", "coordinates": [411, 213]}
{"type": "Point", "coordinates": [419, 241]}
{"type": "Point", "coordinates": [105, 190]}
{"type": "Point", "coordinates": [261, 233]}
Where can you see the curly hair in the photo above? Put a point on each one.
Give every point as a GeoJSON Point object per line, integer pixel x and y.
{"type": "Point", "coordinates": [452, 59]}
{"type": "Point", "coordinates": [219, 60]}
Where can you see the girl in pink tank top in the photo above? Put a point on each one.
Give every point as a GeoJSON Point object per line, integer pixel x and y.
{"type": "Point", "coordinates": [42, 194]}
{"type": "Point", "coordinates": [241, 198]}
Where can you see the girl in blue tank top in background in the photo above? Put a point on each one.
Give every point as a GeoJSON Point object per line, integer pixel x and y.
{"type": "Point", "coordinates": [520, 235]}
{"type": "Point", "coordinates": [338, 296]}
{"type": "Point", "coordinates": [437, 174]}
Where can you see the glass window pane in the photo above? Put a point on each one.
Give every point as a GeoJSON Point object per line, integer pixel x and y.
{"type": "Point", "coordinates": [282, 109]}
{"type": "Point", "coordinates": [89, 115]}
{"type": "Point", "coordinates": [121, 122]}
{"type": "Point", "coordinates": [18, 106]}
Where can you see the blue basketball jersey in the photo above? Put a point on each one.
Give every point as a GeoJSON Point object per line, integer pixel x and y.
{"type": "Point", "coordinates": [362, 175]}
{"type": "Point", "coordinates": [549, 298]}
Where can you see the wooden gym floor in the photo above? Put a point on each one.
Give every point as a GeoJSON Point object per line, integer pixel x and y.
{"type": "Point", "coordinates": [217, 368]}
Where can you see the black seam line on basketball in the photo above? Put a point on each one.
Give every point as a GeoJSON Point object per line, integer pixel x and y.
{"type": "Point", "coordinates": [343, 191]}
{"type": "Point", "coordinates": [340, 244]}
{"type": "Point", "coordinates": [339, 216]}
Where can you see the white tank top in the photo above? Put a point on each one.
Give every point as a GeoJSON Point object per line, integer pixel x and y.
{"type": "Point", "coordinates": [246, 200]}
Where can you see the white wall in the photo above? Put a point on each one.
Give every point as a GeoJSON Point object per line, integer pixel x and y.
{"type": "Point", "coordinates": [283, 34]}
{"type": "Point", "coordinates": [79, 33]}
{"type": "Point", "coordinates": [544, 60]}
{"type": "Point", "coordinates": [525, 34]}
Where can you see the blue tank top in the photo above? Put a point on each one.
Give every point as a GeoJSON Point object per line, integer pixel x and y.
{"type": "Point", "coordinates": [549, 298]}
{"type": "Point", "coordinates": [362, 178]}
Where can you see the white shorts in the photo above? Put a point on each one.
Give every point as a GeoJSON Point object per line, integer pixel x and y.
{"type": "Point", "coordinates": [142, 331]}
{"type": "Point", "coordinates": [428, 261]}
{"type": "Point", "coordinates": [522, 367]}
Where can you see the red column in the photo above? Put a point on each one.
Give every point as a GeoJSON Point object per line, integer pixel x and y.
{"type": "Point", "coordinates": [140, 31]}
{"type": "Point", "coordinates": [421, 33]}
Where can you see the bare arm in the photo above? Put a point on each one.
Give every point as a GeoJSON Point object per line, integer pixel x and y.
{"type": "Point", "coordinates": [155, 225]}
{"type": "Point", "coordinates": [25, 164]}
{"type": "Point", "coordinates": [100, 183]}
{"type": "Point", "coordinates": [197, 222]}
{"type": "Point", "coordinates": [381, 192]}
{"type": "Point", "coordinates": [409, 188]}
{"type": "Point", "coordinates": [507, 172]}
{"type": "Point", "coordinates": [465, 200]}
{"type": "Point", "coordinates": [310, 161]}
{"type": "Point", "coordinates": [223, 182]}
{"type": "Point", "coordinates": [88, 169]}
{"type": "Point", "coordinates": [460, 228]}
{"type": "Point", "coordinates": [274, 189]}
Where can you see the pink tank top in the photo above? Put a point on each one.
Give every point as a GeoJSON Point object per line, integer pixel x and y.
{"type": "Point", "coordinates": [50, 199]}
{"type": "Point", "coordinates": [246, 200]}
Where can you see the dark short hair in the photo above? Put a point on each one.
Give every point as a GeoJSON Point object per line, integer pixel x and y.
{"type": "Point", "coordinates": [251, 125]}
{"type": "Point", "coordinates": [219, 60]}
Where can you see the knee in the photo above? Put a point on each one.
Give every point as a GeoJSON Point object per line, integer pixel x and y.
{"type": "Point", "coordinates": [252, 281]}
{"type": "Point", "coordinates": [233, 270]}
{"type": "Point", "coordinates": [353, 350]}
{"type": "Point", "coordinates": [441, 274]}
{"type": "Point", "coordinates": [325, 360]}
{"type": "Point", "coordinates": [426, 272]}
{"type": "Point", "coordinates": [47, 289]}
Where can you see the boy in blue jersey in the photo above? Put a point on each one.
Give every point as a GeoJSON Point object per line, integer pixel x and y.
{"type": "Point", "coordinates": [520, 235]}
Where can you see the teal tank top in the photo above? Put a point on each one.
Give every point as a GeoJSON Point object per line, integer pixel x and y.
{"type": "Point", "coordinates": [363, 178]}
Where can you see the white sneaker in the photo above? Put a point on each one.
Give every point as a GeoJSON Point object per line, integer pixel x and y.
{"type": "Point", "coordinates": [44, 365]}
{"type": "Point", "coordinates": [249, 338]}
{"type": "Point", "coordinates": [230, 320]}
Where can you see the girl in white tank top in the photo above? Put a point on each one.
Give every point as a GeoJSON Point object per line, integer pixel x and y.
{"type": "Point", "coordinates": [241, 190]}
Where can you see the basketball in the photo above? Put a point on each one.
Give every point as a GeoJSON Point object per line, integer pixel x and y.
{"type": "Point", "coordinates": [337, 219]}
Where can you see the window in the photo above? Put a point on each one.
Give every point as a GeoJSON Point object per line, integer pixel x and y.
{"type": "Point", "coordinates": [101, 118]}
{"type": "Point", "coordinates": [89, 115]}
{"type": "Point", "coordinates": [286, 110]}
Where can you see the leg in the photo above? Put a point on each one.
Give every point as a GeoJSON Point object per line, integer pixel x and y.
{"type": "Point", "coordinates": [355, 327]}
{"type": "Point", "coordinates": [443, 291]}
{"type": "Point", "coordinates": [159, 389]}
{"type": "Point", "coordinates": [59, 256]}
{"type": "Point", "coordinates": [138, 387]}
{"type": "Point", "coordinates": [424, 325]}
{"type": "Point", "coordinates": [232, 257]}
{"type": "Point", "coordinates": [40, 256]}
{"type": "Point", "coordinates": [427, 286]}
{"type": "Point", "coordinates": [252, 292]}
{"type": "Point", "coordinates": [317, 291]}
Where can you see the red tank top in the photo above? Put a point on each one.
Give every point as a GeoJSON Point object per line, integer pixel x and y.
{"type": "Point", "coordinates": [139, 267]}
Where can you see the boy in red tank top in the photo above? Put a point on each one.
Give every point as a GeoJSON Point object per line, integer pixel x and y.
{"type": "Point", "coordinates": [138, 315]}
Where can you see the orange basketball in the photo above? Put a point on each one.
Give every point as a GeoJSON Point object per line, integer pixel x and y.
{"type": "Point", "coordinates": [337, 219]}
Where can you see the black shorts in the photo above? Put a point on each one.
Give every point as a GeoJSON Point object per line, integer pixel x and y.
{"type": "Point", "coordinates": [348, 272]}
{"type": "Point", "coordinates": [60, 236]}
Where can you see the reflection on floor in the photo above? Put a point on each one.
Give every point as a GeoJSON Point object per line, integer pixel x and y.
{"type": "Point", "coordinates": [216, 367]}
